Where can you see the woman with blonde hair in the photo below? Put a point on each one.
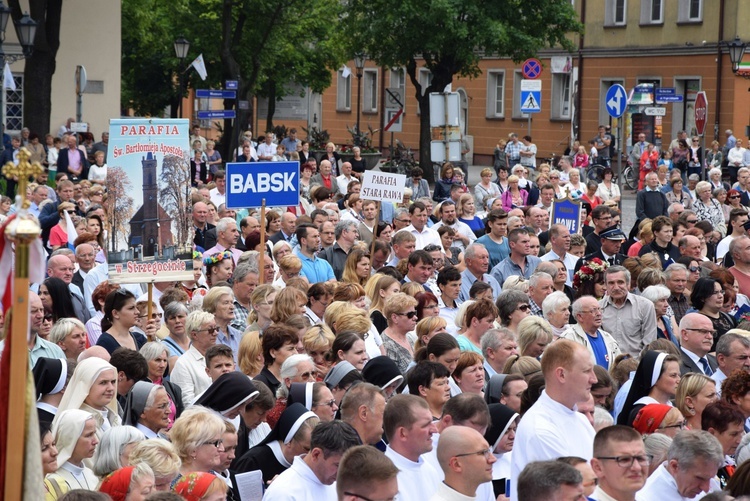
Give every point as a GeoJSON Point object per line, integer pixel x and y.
{"type": "Point", "coordinates": [514, 196]}
{"type": "Point", "coordinates": [357, 267]}
{"type": "Point", "coordinates": [694, 393]}
{"type": "Point", "coordinates": [262, 300]}
{"type": "Point", "coordinates": [250, 354]}
{"type": "Point", "coordinates": [197, 438]}
{"type": "Point", "coordinates": [288, 302]}
{"type": "Point", "coordinates": [645, 237]}
{"type": "Point", "coordinates": [486, 189]}
{"type": "Point", "coordinates": [525, 366]}
{"type": "Point", "coordinates": [426, 328]}
{"type": "Point", "coordinates": [534, 334]}
{"type": "Point", "coordinates": [379, 288]}
{"type": "Point", "coordinates": [163, 459]}
{"type": "Point", "coordinates": [466, 211]}
{"type": "Point", "coordinates": [400, 311]}
{"type": "Point", "coordinates": [318, 341]}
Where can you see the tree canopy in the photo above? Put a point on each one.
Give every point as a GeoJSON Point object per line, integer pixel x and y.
{"type": "Point", "coordinates": [450, 37]}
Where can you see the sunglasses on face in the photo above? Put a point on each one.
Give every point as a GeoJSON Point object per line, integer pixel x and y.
{"type": "Point", "coordinates": [408, 314]}
{"type": "Point", "coordinates": [524, 307]}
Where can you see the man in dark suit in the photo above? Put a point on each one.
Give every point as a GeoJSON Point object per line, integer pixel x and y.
{"type": "Point", "coordinates": [696, 339]}
{"type": "Point", "coordinates": [288, 226]}
{"type": "Point", "coordinates": [205, 233]}
{"type": "Point", "coordinates": [72, 161]}
{"type": "Point", "coordinates": [611, 241]}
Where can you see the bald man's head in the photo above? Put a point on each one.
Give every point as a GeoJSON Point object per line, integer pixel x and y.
{"type": "Point", "coordinates": [95, 351]}
{"type": "Point", "coordinates": [60, 267]}
{"type": "Point", "coordinates": [456, 440]}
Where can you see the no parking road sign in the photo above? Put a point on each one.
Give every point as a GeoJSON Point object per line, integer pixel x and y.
{"type": "Point", "coordinates": [531, 69]}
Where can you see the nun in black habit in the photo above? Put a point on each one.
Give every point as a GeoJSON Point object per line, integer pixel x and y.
{"type": "Point", "coordinates": [383, 372]}
{"type": "Point", "coordinates": [228, 394]}
{"type": "Point", "coordinates": [50, 379]}
{"type": "Point", "coordinates": [655, 382]}
{"type": "Point", "coordinates": [500, 435]}
{"type": "Point", "coordinates": [289, 438]}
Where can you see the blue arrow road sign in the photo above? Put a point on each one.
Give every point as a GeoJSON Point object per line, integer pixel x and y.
{"type": "Point", "coordinates": [220, 94]}
{"type": "Point", "coordinates": [209, 114]}
{"type": "Point", "coordinates": [616, 100]}
{"type": "Point", "coordinates": [248, 184]}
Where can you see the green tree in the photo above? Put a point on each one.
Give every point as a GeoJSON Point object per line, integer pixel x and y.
{"type": "Point", "coordinates": [450, 37]}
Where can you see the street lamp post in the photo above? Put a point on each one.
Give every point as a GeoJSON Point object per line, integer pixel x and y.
{"type": "Point", "coordinates": [181, 48]}
{"type": "Point", "coordinates": [359, 62]}
{"type": "Point", "coordinates": [26, 32]}
{"type": "Point", "coordinates": [736, 52]}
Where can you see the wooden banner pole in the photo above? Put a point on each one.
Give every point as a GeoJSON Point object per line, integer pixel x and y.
{"type": "Point", "coordinates": [375, 229]}
{"type": "Point", "coordinates": [261, 257]}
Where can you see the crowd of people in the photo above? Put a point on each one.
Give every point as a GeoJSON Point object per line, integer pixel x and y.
{"type": "Point", "coordinates": [456, 345]}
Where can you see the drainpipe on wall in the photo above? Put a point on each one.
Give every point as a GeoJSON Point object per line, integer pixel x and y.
{"type": "Point", "coordinates": [719, 59]}
{"type": "Point", "coordinates": [580, 73]}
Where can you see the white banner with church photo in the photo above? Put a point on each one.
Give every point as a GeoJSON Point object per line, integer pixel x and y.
{"type": "Point", "coordinates": [148, 196]}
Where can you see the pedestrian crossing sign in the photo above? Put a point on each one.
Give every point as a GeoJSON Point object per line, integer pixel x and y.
{"type": "Point", "coordinates": [531, 96]}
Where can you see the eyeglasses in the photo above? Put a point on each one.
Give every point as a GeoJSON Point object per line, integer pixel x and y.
{"type": "Point", "coordinates": [215, 443]}
{"type": "Point", "coordinates": [524, 307]}
{"type": "Point", "coordinates": [693, 269]}
{"type": "Point", "coordinates": [484, 452]}
{"type": "Point", "coordinates": [681, 425]}
{"type": "Point", "coordinates": [692, 221]}
{"type": "Point", "coordinates": [404, 220]}
{"type": "Point", "coordinates": [734, 197]}
{"type": "Point", "coordinates": [329, 403]}
{"type": "Point", "coordinates": [593, 310]}
{"type": "Point", "coordinates": [307, 375]}
{"type": "Point", "coordinates": [408, 314]}
{"type": "Point", "coordinates": [705, 332]}
{"type": "Point", "coordinates": [210, 330]}
{"type": "Point", "coordinates": [627, 461]}
{"type": "Point", "coordinates": [70, 211]}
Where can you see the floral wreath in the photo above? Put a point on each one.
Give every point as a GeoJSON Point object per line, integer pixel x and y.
{"type": "Point", "coordinates": [216, 258]}
{"type": "Point", "coordinates": [588, 270]}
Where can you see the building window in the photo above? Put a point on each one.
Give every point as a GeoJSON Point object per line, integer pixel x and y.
{"type": "Point", "coordinates": [690, 11]}
{"type": "Point", "coordinates": [517, 77]}
{"type": "Point", "coordinates": [398, 78]}
{"type": "Point", "coordinates": [370, 91]}
{"type": "Point", "coordinates": [495, 94]}
{"type": "Point", "coordinates": [652, 12]}
{"type": "Point", "coordinates": [344, 92]}
{"type": "Point", "coordinates": [615, 12]}
{"type": "Point", "coordinates": [14, 105]}
{"type": "Point", "coordinates": [561, 96]}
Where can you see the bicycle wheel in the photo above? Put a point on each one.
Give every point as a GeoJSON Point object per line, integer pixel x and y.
{"type": "Point", "coordinates": [629, 177]}
{"type": "Point", "coordinates": [595, 173]}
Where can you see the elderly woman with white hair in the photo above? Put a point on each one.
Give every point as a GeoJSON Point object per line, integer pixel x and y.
{"type": "Point", "coordinates": [556, 311]}
{"type": "Point", "coordinates": [666, 326]}
{"type": "Point", "coordinates": [714, 178]}
{"type": "Point", "coordinates": [189, 371]}
{"type": "Point", "coordinates": [156, 354]}
{"type": "Point", "coordinates": [295, 369]}
{"type": "Point", "coordinates": [707, 208]}
{"type": "Point", "coordinates": [114, 449]}
{"type": "Point", "coordinates": [70, 335]}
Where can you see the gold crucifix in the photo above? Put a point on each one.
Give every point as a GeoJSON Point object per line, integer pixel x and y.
{"type": "Point", "coordinates": [22, 172]}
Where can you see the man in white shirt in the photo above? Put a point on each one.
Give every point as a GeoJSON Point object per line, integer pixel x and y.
{"type": "Point", "coordinates": [464, 235]}
{"type": "Point", "coordinates": [737, 219]}
{"type": "Point", "coordinates": [559, 239]}
{"type": "Point", "coordinates": [466, 460]}
{"type": "Point", "coordinates": [418, 227]}
{"type": "Point", "coordinates": [732, 353]}
{"type": "Point", "coordinates": [552, 428]}
{"type": "Point", "coordinates": [312, 475]}
{"type": "Point", "coordinates": [196, 136]}
{"type": "Point", "coordinates": [345, 178]}
{"type": "Point", "coordinates": [688, 473]}
{"type": "Point", "coordinates": [219, 193]}
{"type": "Point", "coordinates": [409, 427]}
{"type": "Point", "coordinates": [267, 149]}
{"type": "Point", "coordinates": [620, 464]}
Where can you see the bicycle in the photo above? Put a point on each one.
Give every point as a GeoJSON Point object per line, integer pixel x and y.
{"type": "Point", "coordinates": [630, 176]}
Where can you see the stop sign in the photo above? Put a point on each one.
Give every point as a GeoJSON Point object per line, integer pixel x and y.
{"type": "Point", "coordinates": [701, 112]}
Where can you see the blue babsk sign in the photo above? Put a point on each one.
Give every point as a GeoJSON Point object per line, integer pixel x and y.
{"type": "Point", "coordinates": [249, 183]}
{"type": "Point", "coordinates": [567, 212]}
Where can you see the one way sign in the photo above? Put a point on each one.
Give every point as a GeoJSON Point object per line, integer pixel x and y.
{"type": "Point", "coordinates": [531, 96]}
